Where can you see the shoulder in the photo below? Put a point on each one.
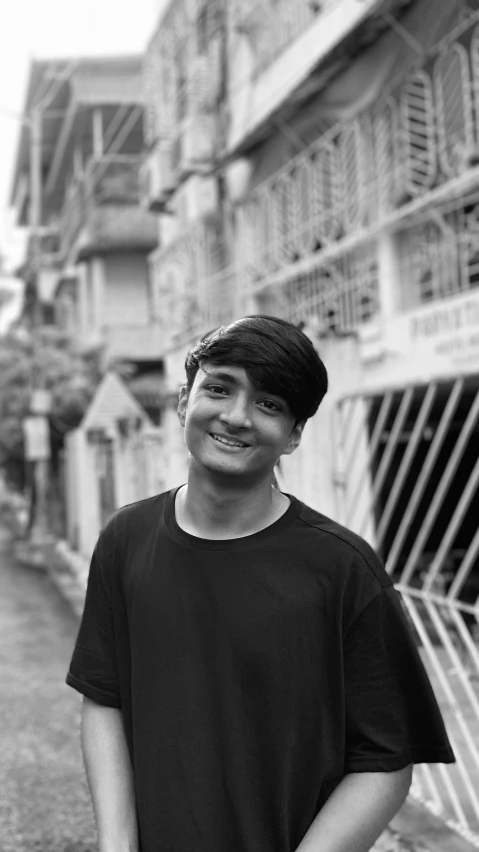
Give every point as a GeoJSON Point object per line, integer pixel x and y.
{"type": "Point", "coordinates": [340, 561]}
{"type": "Point", "coordinates": [342, 543]}
{"type": "Point", "coordinates": [135, 519]}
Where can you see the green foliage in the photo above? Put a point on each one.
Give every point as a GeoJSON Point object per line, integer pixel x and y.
{"type": "Point", "coordinates": [47, 359]}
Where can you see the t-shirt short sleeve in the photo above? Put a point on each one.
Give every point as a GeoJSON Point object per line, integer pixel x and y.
{"type": "Point", "coordinates": [93, 669]}
{"type": "Point", "coordinates": [392, 716]}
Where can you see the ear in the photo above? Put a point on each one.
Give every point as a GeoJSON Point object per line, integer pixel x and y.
{"type": "Point", "coordinates": [294, 438]}
{"type": "Point", "coordinates": [182, 404]}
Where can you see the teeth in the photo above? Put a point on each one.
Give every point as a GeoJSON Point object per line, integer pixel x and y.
{"type": "Point", "coordinates": [228, 443]}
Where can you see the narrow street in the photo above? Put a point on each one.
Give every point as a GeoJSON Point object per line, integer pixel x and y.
{"type": "Point", "coordinates": [44, 801]}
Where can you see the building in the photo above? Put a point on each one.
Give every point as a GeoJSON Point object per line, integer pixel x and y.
{"type": "Point", "coordinates": [76, 185]}
{"type": "Point", "coordinates": [320, 161]}
{"type": "Point", "coordinates": [90, 236]}
{"type": "Point", "coordinates": [113, 458]}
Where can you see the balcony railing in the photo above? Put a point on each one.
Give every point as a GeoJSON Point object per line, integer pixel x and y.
{"type": "Point", "coordinates": [183, 67]}
{"type": "Point", "coordinates": [414, 151]}
{"type": "Point", "coordinates": [273, 28]}
{"type": "Point", "coordinates": [193, 291]}
{"type": "Point", "coordinates": [439, 258]}
{"type": "Point", "coordinates": [132, 340]}
{"type": "Point", "coordinates": [109, 180]}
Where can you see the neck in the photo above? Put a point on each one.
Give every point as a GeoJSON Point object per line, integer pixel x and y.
{"type": "Point", "coordinates": [219, 510]}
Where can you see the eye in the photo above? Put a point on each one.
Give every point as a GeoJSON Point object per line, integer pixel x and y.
{"type": "Point", "coordinates": [216, 389]}
{"type": "Point", "coordinates": [270, 405]}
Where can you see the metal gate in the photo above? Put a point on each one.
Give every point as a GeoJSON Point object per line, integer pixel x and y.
{"type": "Point", "coordinates": [149, 461]}
{"type": "Point", "coordinates": [106, 480]}
{"type": "Point", "coordinates": [408, 481]}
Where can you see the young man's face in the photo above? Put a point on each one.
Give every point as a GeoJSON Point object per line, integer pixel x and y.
{"type": "Point", "coordinates": [233, 428]}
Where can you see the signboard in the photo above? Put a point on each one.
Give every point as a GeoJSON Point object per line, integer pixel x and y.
{"type": "Point", "coordinates": [36, 435]}
{"type": "Point", "coordinates": [450, 330]}
{"type": "Point", "coordinates": [41, 401]}
{"type": "Point", "coordinates": [440, 338]}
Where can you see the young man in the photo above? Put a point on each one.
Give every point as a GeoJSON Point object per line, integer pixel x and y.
{"type": "Point", "coordinates": [250, 681]}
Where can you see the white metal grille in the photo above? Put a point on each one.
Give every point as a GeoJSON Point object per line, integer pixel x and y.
{"type": "Point", "coordinates": [148, 468]}
{"type": "Point", "coordinates": [334, 298]}
{"type": "Point", "coordinates": [274, 24]}
{"type": "Point", "coordinates": [388, 162]}
{"type": "Point", "coordinates": [366, 175]}
{"type": "Point", "coordinates": [188, 294]}
{"type": "Point", "coordinates": [440, 257]}
{"type": "Point", "coordinates": [408, 478]}
{"type": "Point", "coordinates": [417, 112]}
{"type": "Point", "coordinates": [183, 66]}
{"type": "Point", "coordinates": [455, 121]}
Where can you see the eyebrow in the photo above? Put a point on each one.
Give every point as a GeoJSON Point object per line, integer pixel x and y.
{"type": "Point", "coordinates": [222, 376]}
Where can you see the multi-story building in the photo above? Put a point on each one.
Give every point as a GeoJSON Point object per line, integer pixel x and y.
{"type": "Point", "coordinates": [76, 184]}
{"type": "Point", "coordinates": [320, 161]}
{"type": "Point", "coordinates": [90, 136]}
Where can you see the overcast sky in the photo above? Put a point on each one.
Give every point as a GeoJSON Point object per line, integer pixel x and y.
{"type": "Point", "coordinates": [57, 28]}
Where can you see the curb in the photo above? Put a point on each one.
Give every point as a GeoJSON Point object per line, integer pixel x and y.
{"type": "Point", "coordinates": [66, 569]}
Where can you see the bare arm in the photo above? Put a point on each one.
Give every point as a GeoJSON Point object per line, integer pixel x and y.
{"type": "Point", "coordinates": [110, 777]}
{"type": "Point", "coordinates": [357, 812]}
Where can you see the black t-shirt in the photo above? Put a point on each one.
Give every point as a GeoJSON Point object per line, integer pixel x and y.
{"type": "Point", "coordinates": [252, 674]}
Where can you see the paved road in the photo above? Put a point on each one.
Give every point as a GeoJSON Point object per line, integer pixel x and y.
{"type": "Point", "coordinates": [44, 802]}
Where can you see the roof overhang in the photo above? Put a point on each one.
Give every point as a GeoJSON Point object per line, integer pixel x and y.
{"type": "Point", "coordinates": [319, 74]}
{"type": "Point", "coordinates": [64, 89]}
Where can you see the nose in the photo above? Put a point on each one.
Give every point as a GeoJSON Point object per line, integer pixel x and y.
{"type": "Point", "coordinates": [236, 413]}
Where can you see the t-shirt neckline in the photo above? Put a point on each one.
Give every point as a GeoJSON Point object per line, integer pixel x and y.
{"type": "Point", "coordinates": [246, 541]}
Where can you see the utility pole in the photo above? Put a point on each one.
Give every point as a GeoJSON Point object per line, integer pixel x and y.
{"type": "Point", "coordinates": [37, 428]}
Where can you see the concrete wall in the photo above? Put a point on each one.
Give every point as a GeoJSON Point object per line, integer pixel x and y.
{"type": "Point", "coordinates": [176, 454]}
{"type": "Point", "coordinates": [83, 500]}
{"type": "Point", "coordinates": [126, 290]}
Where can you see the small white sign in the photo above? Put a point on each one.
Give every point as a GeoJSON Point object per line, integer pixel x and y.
{"type": "Point", "coordinates": [41, 401]}
{"type": "Point", "coordinates": [36, 434]}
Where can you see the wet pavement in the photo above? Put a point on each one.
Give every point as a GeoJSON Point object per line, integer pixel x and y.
{"type": "Point", "coordinates": [44, 800]}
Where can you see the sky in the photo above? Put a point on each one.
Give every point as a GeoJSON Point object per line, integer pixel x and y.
{"type": "Point", "coordinates": [38, 29]}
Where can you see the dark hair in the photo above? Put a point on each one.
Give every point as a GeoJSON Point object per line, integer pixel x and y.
{"type": "Point", "coordinates": [277, 356]}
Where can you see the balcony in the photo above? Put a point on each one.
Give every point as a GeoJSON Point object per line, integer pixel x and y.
{"type": "Point", "coordinates": [193, 290]}
{"type": "Point", "coordinates": [135, 342]}
{"type": "Point", "coordinates": [183, 79]}
{"type": "Point", "coordinates": [280, 44]}
{"type": "Point", "coordinates": [409, 164]}
{"type": "Point", "coordinates": [272, 33]}
{"type": "Point", "coordinates": [102, 211]}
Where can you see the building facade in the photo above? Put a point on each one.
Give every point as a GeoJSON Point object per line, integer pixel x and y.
{"type": "Point", "coordinates": [91, 236]}
{"type": "Point", "coordinates": [320, 162]}
{"type": "Point", "coordinates": [77, 185]}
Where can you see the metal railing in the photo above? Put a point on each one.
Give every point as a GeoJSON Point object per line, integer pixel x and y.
{"type": "Point", "coordinates": [439, 257]}
{"type": "Point", "coordinates": [190, 283]}
{"type": "Point", "coordinates": [409, 483]}
{"type": "Point", "coordinates": [274, 27]}
{"type": "Point", "coordinates": [383, 171]}
{"type": "Point", "coordinates": [105, 180]}
{"type": "Point", "coordinates": [183, 66]}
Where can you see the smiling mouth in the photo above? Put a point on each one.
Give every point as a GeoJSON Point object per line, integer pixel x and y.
{"type": "Point", "coordinates": [229, 442]}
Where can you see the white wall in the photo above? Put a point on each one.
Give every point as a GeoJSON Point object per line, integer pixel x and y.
{"type": "Point", "coordinates": [176, 454]}
{"type": "Point", "coordinates": [83, 500]}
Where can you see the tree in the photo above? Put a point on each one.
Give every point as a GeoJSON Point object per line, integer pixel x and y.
{"type": "Point", "coordinates": [48, 359]}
